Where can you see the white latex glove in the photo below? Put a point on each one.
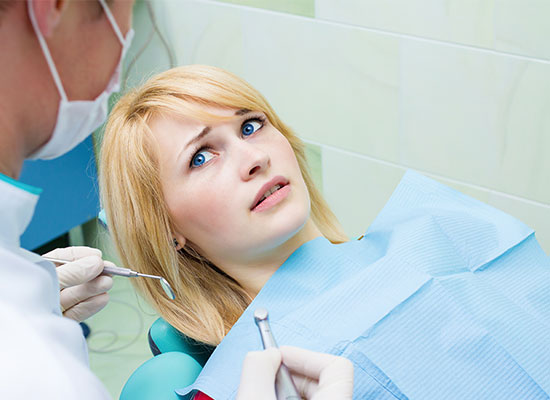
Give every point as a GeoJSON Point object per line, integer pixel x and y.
{"type": "Point", "coordinates": [83, 288]}
{"type": "Point", "coordinates": [317, 376]}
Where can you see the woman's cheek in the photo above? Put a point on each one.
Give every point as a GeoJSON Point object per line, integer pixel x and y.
{"type": "Point", "coordinates": [206, 213]}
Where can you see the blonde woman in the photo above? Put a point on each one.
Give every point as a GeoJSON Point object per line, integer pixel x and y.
{"type": "Point", "coordinates": [205, 185]}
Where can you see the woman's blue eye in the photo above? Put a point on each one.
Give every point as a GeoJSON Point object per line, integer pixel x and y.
{"type": "Point", "coordinates": [201, 158]}
{"type": "Point", "coordinates": [249, 127]}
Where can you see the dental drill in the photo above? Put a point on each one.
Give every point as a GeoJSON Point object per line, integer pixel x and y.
{"type": "Point", "coordinates": [284, 385]}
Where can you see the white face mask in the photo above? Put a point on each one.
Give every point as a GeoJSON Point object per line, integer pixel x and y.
{"type": "Point", "coordinates": [77, 119]}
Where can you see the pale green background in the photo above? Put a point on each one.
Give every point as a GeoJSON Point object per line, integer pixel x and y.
{"type": "Point", "coordinates": [457, 89]}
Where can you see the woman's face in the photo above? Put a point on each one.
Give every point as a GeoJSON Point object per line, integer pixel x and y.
{"type": "Point", "coordinates": [215, 177]}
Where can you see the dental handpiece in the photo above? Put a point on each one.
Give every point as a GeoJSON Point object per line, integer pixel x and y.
{"type": "Point", "coordinates": [284, 385]}
{"type": "Point", "coordinates": [125, 272]}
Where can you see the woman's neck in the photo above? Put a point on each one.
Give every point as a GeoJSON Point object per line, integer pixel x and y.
{"type": "Point", "coordinates": [252, 277]}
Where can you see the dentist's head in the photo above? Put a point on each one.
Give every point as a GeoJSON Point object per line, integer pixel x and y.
{"type": "Point", "coordinates": [61, 60]}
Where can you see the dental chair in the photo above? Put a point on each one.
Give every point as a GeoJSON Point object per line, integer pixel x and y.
{"type": "Point", "coordinates": [177, 362]}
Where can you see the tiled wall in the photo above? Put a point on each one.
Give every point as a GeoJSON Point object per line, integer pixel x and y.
{"type": "Point", "coordinates": [457, 89]}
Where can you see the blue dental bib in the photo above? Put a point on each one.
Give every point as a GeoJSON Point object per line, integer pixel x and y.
{"type": "Point", "coordinates": [443, 298]}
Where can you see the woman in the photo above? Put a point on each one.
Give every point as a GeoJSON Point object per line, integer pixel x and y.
{"type": "Point", "coordinates": [203, 184]}
{"type": "Point", "coordinates": [135, 173]}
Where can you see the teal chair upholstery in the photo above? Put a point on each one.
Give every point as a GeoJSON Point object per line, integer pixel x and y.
{"type": "Point", "coordinates": [177, 362]}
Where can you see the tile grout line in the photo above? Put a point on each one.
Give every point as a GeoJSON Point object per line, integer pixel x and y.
{"type": "Point", "coordinates": [440, 42]}
{"type": "Point", "coordinates": [452, 180]}
{"type": "Point", "coordinates": [378, 31]}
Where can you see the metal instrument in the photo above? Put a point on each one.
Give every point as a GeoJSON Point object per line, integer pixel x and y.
{"type": "Point", "coordinates": [126, 272]}
{"type": "Point", "coordinates": [285, 388]}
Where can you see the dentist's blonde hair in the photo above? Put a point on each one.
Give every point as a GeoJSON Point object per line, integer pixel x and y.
{"type": "Point", "coordinates": [208, 302]}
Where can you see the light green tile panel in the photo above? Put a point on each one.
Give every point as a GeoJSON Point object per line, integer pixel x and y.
{"type": "Point", "coordinates": [208, 33]}
{"type": "Point", "coordinates": [524, 121]}
{"type": "Point", "coordinates": [523, 27]}
{"type": "Point", "coordinates": [515, 26]}
{"type": "Point", "coordinates": [305, 8]}
{"type": "Point", "coordinates": [462, 21]}
{"type": "Point", "coordinates": [315, 163]}
{"type": "Point", "coordinates": [335, 85]}
{"type": "Point", "coordinates": [356, 188]}
{"type": "Point", "coordinates": [476, 117]}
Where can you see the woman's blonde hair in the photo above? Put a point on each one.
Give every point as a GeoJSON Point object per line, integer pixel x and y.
{"type": "Point", "coordinates": [208, 302]}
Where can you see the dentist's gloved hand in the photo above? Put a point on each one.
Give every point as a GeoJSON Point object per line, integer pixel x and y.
{"type": "Point", "coordinates": [83, 288]}
{"type": "Point", "coordinates": [317, 376]}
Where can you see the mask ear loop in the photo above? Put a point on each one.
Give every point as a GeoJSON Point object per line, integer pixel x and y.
{"type": "Point", "coordinates": [112, 21]}
{"type": "Point", "coordinates": [46, 52]}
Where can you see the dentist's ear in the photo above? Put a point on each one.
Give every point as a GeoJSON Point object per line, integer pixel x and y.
{"type": "Point", "coordinates": [48, 13]}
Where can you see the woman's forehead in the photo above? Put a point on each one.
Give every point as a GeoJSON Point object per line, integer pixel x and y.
{"type": "Point", "coordinates": [196, 114]}
{"type": "Point", "coordinates": [173, 127]}
{"type": "Point", "coordinates": [190, 112]}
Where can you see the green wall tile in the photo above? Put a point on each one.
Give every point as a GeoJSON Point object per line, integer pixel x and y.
{"type": "Point", "coordinates": [305, 8]}
{"type": "Point", "coordinates": [315, 161]}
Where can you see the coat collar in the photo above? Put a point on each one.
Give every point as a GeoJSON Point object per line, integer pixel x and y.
{"type": "Point", "coordinates": [17, 203]}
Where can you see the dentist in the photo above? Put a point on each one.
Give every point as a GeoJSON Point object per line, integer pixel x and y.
{"type": "Point", "coordinates": [60, 60]}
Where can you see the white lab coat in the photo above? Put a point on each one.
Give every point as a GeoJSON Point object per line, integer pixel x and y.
{"type": "Point", "coordinates": [43, 355]}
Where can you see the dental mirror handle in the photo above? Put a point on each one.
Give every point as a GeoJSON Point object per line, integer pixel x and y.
{"type": "Point", "coordinates": [284, 385]}
{"type": "Point", "coordinates": [113, 270]}
{"type": "Point", "coordinates": [126, 272]}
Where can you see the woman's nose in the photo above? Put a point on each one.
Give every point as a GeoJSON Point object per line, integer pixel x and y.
{"type": "Point", "coordinates": [255, 161]}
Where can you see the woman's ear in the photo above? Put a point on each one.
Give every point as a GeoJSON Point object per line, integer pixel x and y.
{"type": "Point", "coordinates": [179, 242]}
{"type": "Point", "coordinates": [48, 14]}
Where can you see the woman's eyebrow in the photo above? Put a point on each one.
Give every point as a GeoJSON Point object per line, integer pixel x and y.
{"type": "Point", "coordinates": [243, 111]}
{"type": "Point", "coordinates": [203, 133]}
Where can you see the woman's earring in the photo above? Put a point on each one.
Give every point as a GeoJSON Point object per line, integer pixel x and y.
{"type": "Point", "coordinates": [176, 244]}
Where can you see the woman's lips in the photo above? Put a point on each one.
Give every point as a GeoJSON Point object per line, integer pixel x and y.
{"type": "Point", "coordinates": [277, 180]}
{"type": "Point", "coordinates": [273, 199]}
